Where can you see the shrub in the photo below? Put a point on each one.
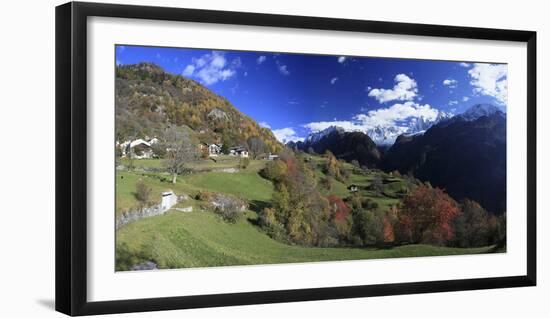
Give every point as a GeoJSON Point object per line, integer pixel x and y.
{"type": "Point", "coordinates": [326, 183]}
{"type": "Point", "coordinates": [203, 195]}
{"type": "Point", "coordinates": [368, 225]}
{"type": "Point", "coordinates": [244, 162]}
{"type": "Point", "coordinates": [143, 192]}
{"type": "Point", "coordinates": [230, 213]}
{"type": "Point", "coordinates": [476, 227]}
{"type": "Point", "coordinates": [274, 170]}
{"type": "Point", "coordinates": [268, 222]}
{"type": "Point", "coordinates": [229, 208]}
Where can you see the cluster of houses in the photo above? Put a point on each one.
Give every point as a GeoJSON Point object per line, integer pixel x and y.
{"type": "Point", "coordinates": [143, 149]}
{"type": "Point", "coordinates": [216, 149]}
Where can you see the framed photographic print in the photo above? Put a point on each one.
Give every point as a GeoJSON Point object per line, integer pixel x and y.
{"type": "Point", "coordinates": [208, 158]}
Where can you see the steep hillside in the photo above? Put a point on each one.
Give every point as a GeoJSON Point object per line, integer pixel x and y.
{"type": "Point", "coordinates": [148, 100]}
{"type": "Point", "coordinates": [466, 155]}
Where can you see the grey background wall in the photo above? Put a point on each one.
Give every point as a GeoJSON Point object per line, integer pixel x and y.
{"type": "Point", "coordinates": [27, 160]}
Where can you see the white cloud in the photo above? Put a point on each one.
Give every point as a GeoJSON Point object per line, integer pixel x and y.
{"type": "Point", "coordinates": [463, 64]}
{"type": "Point", "coordinates": [453, 102]}
{"type": "Point", "coordinates": [188, 71]}
{"type": "Point", "coordinates": [261, 59]}
{"type": "Point", "coordinates": [394, 116]}
{"type": "Point", "coordinates": [405, 89]}
{"type": "Point", "coordinates": [287, 134]}
{"type": "Point", "coordinates": [283, 69]}
{"type": "Point", "coordinates": [451, 83]}
{"type": "Point", "coordinates": [263, 124]}
{"type": "Point", "coordinates": [465, 98]}
{"type": "Point", "coordinates": [490, 80]}
{"type": "Point", "coordinates": [212, 68]}
{"type": "Point", "coordinates": [333, 80]}
{"type": "Point", "coordinates": [341, 59]}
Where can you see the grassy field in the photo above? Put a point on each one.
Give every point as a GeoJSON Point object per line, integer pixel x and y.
{"type": "Point", "coordinates": [202, 239]}
{"type": "Point", "coordinates": [245, 184]}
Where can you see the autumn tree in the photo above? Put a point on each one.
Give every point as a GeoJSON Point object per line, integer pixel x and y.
{"type": "Point", "coordinates": [368, 225]}
{"type": "Point", "coordinates": [181, 149]}
{"type": "Point", "coordinates": [274, 170]}
{"type": "Point", "coordinates": [426, 216]}
{"type": "Point", "coordinates": [143, 193]}
{"type": "Point", "coordinates": [475, 226]}
{"type": "Point", "coordinates": [257, 147]}
{"type": "Point", "coordinates": [333, 167]}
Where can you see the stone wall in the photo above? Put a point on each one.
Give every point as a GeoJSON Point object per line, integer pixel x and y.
{"type": "Point", "coordinates": [169, 199]}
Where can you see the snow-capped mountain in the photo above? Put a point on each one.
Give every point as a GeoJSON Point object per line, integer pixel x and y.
{"type": "Point", "coordinates": [316, 136]}
{"type": "Point", "coordinates": [386, 135]}
{"type": "Point", "coordinates": [480, 110]}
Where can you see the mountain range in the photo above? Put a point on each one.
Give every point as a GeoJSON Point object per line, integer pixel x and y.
{"type": "Point", "coordinates": [464, 154]}
{"type": "Point", "coordinates": [386, 135]}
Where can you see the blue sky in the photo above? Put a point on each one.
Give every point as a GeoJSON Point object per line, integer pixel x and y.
{"type": "Point", "coordinates": [295, 94]}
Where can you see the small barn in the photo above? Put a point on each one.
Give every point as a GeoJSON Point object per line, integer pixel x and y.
{"type": "Point", "coordinates": [353, 188]}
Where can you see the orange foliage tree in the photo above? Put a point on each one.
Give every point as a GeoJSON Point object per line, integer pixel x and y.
{"type": "Point", "coordinates": [426, 216]}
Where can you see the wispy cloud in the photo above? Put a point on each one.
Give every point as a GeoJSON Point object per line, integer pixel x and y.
{"type": "Point", "coordinates": [490, 80]}
{"type": "Point", "coordinates": [450, 83]}
{"type": "Point", "coordinates": [212, 68]}
{"type": "Point", "coordinates": [283, 69]}
{"type": "Point", "coordinates": [263, 124]}
{"type": "Point", "coordinates": [189, 70]}
{"type": "Point", "coordinates": [341, 59]}
{"type": "Point", "coordinates": [287, 134]}
{"type": "Point", "coordinates": [261, 59]}
{"type": "Point", "coordinates": [463, 64]}
{"type": "Point", "coordinates": [333, 80]}
{"type": "Point", "coordinates": [453, 102]}
{"type": "Point", "coordinates": [405, 89]}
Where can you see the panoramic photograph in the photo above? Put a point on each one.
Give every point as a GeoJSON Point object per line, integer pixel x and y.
{"type": "Point", "coordinates": [227, 158]}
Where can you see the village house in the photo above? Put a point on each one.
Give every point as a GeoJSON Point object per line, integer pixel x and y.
{"type": "Point", "coordinates": [272, 157]}
{"type": "Point", "coordinates": [139, 148]}
{"type": "Point", "coordinates": [214, 150]}
{"type": "Point", "coordinates": [239, 151]}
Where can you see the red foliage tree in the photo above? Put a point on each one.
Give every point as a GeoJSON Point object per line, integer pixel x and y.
{"type": "Point", "coordinates": [388, 234]}
{"type": "Point", "coordinates": [338, 207]}
{"type": "Point", "coordinates": [426, 215]}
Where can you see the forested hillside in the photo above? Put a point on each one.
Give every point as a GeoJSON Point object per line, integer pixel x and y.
{"type": "Point", "coordinates": [149, 100]}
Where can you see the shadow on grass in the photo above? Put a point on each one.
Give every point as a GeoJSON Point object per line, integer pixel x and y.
{"type": "Point", "coordinates": [257, 206]}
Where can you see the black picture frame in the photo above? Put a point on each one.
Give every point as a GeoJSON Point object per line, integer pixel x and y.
{"type": "Point", "coordinates": [71, 157]}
